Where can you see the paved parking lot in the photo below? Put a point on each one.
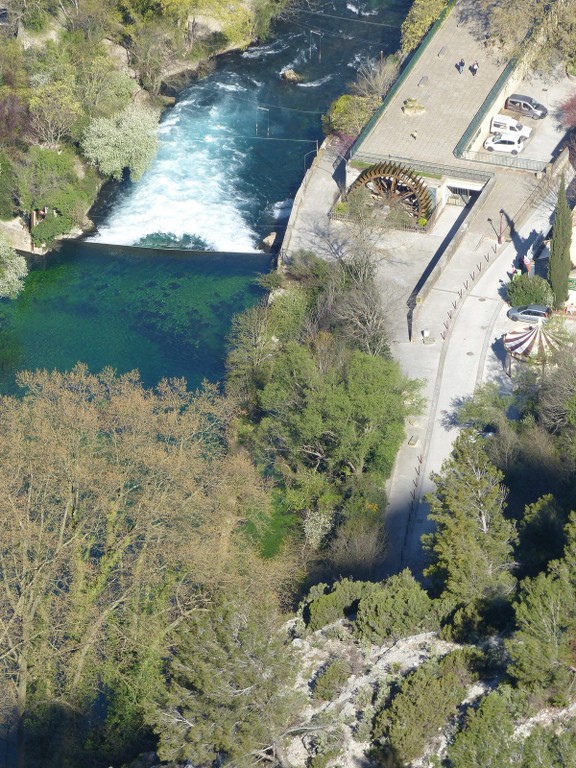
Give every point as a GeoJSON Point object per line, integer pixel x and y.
{"type": "Point", "coordinates": [548, 134]}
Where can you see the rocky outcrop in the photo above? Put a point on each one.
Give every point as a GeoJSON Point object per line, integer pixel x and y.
{"type": "Point", "coordinates": [289, 76]}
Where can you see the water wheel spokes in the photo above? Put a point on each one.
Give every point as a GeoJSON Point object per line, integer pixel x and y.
{"type": "Point", "coordinates": [398, 185]}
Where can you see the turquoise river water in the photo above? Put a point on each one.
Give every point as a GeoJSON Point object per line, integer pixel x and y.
{"type": "Point", "coordinates": [233, 151]}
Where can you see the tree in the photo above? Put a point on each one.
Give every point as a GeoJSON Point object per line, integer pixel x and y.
{"type": "Point", "coordinates": [95, 19]}
{"type": "Point", "coordinates": [568, 111]}
{"type": "Point", "coordinates": [509, 24]}
{"type": "Point", "coordinates": [125, 141]}
{"type": "Point", "coordinates": [154, 45]}
{"type": "Point", "coordinates": [556, 395]}
{"type": "Point", "coordinates": [375, 77]}
{"type": "Point", "coordinates": [364, 319]}
{"type": "Point", "coordinates": [252, 350]}
{"type": "Point", "coordinates": [428, 697]}
{"type": "Point", "coordinates": [7, 188]}
{"type": "Point", "coordinates": [487, 738]}
{"type": "Point", "coordinates": [347, 420]}
{"type": "Point", "coordinates": [53, 112]}
{"type": "Point", "coordinates": [542, 650]}
{"type": "Point", "coordinates": [548, 748]}
{"type": "Point", "coordinates": [121, 514]}
{"type": "Point", "coordinates": [559, 262]}
{"type": "Point", "coordinates": [471, 547]}
{"type": "Point", "coordinates": [349, 114]}
{"type": "Point", "coordinates": [231, 696]}
{"type": "Point", "coordinates": [529, 289]}
{"type": "Point", "coordinates": [421, 16]}
{"type": "Point", "coordinates": [13, 119]}
{"type": "Point", "coordinates": [13, 270]}
{"type": "Point", "coordinates": [400, 608]}
{"type": "Point", "coordinates": [564, 32]}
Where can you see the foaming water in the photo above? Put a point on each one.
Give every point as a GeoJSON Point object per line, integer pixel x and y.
{"type": "Point", "coordinates": [236, 145]}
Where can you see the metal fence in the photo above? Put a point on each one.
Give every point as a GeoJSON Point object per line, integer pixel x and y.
{"type": "Point", "coordinates": [427, 168]}
{"type": "Point", "coordinates": [474, 127]}
{"type": "Point", "coordinates": [395, 224]}
{"type": "Point", "coordinates": [506, 161]}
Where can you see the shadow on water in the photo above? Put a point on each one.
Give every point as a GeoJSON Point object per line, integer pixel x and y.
{"type": "Point", "coordinates": [165, 312]}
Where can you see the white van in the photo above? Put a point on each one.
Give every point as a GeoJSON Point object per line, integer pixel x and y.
{"type": "Point", "coordinates": [506, 124]}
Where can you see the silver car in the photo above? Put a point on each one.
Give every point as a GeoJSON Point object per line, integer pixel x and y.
{"type": "Point", "coordinates": [530, 313]}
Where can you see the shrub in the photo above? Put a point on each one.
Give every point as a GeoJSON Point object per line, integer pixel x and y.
{"type": "Point", "coordinates": [529, 290]}
{"type": "Point", "coordinates": [50, 228]}
{"type": "Point", "coordinates": [427, 698]}
{"type": "Point", "coordinates": [421, 16]}
{"type": "Point", "coordinates": [341, 601]}
{"type": "Point", "coordinates": [271, 281]}
{"type": "Point", "coordinates": [7, 185]}
{"type": "Point", "coordinates": [348, 114]}
{"type": "Point", "coordinates": [399, 609]}
{"type": "Point", "coordinates": [330, 680]}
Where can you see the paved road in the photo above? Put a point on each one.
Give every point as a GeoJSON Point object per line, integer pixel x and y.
{"type": "Point", "coordinates": [464, 313]}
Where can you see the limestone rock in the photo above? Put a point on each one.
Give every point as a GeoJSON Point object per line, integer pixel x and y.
{"type": "Point", "coordinates": [289, 76]}
{"type": "Point", "coordinates": [269, 243]}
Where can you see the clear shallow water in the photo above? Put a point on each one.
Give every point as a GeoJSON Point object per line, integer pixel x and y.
{"type": "Point", "coordinates": [233, 152]}
{"type": "Point", "coordinates": [164, 313]}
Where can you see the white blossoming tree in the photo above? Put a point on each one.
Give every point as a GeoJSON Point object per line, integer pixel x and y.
{"type": "Point", "coordinates": [13, 270]}
{"type": "Point", "coordinates": [126, 140]}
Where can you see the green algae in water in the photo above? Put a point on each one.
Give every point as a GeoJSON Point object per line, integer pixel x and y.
{"type": "Point", "coordinates": [165, 313]}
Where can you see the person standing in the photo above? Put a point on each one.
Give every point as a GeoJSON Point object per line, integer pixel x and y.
{"type": "Point", "coordinates": [474, 68]}
{"type": "Point", "coordinates": [461, 66]}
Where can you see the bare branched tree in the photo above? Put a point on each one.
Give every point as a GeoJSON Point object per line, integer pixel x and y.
{"type": "Point", "coordinates": [375, 77]}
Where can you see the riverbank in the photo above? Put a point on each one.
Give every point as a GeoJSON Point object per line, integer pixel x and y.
{"type": "Point", "coordinates": [112, 65]}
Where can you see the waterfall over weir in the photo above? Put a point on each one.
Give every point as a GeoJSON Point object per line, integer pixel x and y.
{"type": "Point", "coordinates": [233, 152]}
{"type": "Point", "coordinates": [235, 146]}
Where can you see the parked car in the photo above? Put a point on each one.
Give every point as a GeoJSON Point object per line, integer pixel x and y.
{"type": "Point", "coordinates": [526, 105]}
{"type": "Point", "coordinates": [505, 142]}
{"type": "Point", "coordinates": [530, 313]}
{"type": "Point", "coordinates": [507, 124]}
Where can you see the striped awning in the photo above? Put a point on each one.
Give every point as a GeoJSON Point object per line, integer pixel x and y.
{"type": "Point", "coordinates": [533, 343]}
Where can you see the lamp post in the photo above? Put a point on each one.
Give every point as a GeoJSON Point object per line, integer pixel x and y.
{"type": "Point", "coordinates": [500, 230]}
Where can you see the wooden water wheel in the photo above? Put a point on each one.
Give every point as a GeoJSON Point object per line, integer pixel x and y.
{"type": "Point", "coordinates": [398, 185]}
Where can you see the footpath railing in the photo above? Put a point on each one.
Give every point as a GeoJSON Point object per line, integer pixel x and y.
{"type": "Point", "coordinates": [425, 167]}
{"type": "Point", "coordinates": [505, 161]}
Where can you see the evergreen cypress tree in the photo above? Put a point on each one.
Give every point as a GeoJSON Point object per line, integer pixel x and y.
{"type": "Point", "coordinates": [559, 262]}
{"type": "Point", "coordinates": [471, 547]}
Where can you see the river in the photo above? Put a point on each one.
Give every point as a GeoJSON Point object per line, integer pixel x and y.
{"type": "Point", "coordinates": [233, 151]}
{"type": "Point", "coordinates": [235, 146]}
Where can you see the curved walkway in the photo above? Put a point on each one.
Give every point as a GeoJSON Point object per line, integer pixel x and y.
{"type": "Point", "coordinates": [456, 338]}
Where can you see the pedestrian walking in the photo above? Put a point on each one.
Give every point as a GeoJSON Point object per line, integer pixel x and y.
{"type": "Point", "coordinates": [474, 68]}
{"type": "Point", "coordinates": [461, 65]}
{"type": "Point", "coordinates": [414, 134]}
